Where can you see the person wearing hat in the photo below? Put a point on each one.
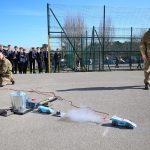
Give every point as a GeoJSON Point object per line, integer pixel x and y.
{"type": "Point", "coordinates": [145, 52]}
{"type": "Point", "coordinates": [5, 71]}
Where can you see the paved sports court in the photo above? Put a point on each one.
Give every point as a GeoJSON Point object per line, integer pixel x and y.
{"type": "Point", "coordinates": [117, 93]}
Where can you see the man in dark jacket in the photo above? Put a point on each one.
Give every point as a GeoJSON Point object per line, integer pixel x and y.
{"type": "Point", "coordinates": [57, 58]}
{"type": "Point", "coordinates": [32, 59]}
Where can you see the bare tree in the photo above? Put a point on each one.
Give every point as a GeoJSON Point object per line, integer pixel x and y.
{"type": "Point", "coordinates": [74, 27]}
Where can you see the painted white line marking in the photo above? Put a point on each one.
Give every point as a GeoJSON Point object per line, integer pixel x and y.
{"type": "Point", "coordinates": [105, 132]}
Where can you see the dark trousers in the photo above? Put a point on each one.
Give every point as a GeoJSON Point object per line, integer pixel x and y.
{"type": "Point", "coordinates": [25, 65]}
{"type": "Point", "coordinates": [40, 66]}
{"type": "Point", "coordinates": [32, 66]}
{"type": "Point", "coordinates": [57, 66]}
{"type": "Point", "coordinates": [15, 67]}
{"type": "Point", "coordinates": [20, 67]}
{"type": "Point", "coordinates": [46, 65]}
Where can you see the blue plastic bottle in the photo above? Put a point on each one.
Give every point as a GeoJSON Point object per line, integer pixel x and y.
{"type": "Point", "coordinates": [47, 110]}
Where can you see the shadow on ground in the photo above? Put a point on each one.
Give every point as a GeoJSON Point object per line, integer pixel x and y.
{"type": "Point", "coordinates": [111, 126]}
{"type": "Point", "coordinates": [104, 88]}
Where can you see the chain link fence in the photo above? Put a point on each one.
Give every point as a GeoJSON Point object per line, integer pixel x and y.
{"type": "Point", "coordinates": [112, 44]}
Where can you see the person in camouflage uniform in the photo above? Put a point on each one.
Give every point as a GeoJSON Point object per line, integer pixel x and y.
{"type": "Point", "coordinates": [145, 52]}
{"type": "Point", "coordinates": [5, 71]}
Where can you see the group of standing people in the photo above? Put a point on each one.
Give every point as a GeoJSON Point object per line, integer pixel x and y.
{"type": "Point", "coordinates": [22, 60]}
{"type": "Point", "coordinates": [17, 59]}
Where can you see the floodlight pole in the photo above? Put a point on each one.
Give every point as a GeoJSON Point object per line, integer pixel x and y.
{"type": "Point", "coordinates": [103, 44]}
{"type": "Point", "coordinates": [48, 27]}
{"type": "Point", "coordinates": [130, 62]}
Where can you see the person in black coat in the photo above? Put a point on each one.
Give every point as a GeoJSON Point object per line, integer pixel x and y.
{"type": "Point", "coordinates": [32, 59]}
{"type": "Point", "coordinates": [57, 58]}
{"type": "Point", "coordinates": [40, 59]}
{"type": "Point", "coordinates": [23, 61]}
{"type": "Point", "coordinates": [45, 54]}
{"type": "Point", "coordinates": [15, 60]}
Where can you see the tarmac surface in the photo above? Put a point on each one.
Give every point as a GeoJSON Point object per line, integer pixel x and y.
{"type": "Point", "coordinates": [118, 93]}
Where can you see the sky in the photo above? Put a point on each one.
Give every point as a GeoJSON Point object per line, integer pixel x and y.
{"type": "Point", "coordinates": [24, 22]}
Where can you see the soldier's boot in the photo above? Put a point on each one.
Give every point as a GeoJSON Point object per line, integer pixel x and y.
{"type": "Point", "coordinates": [12, 81]}
{"type": "Point", "coordinates": [146, 86]}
